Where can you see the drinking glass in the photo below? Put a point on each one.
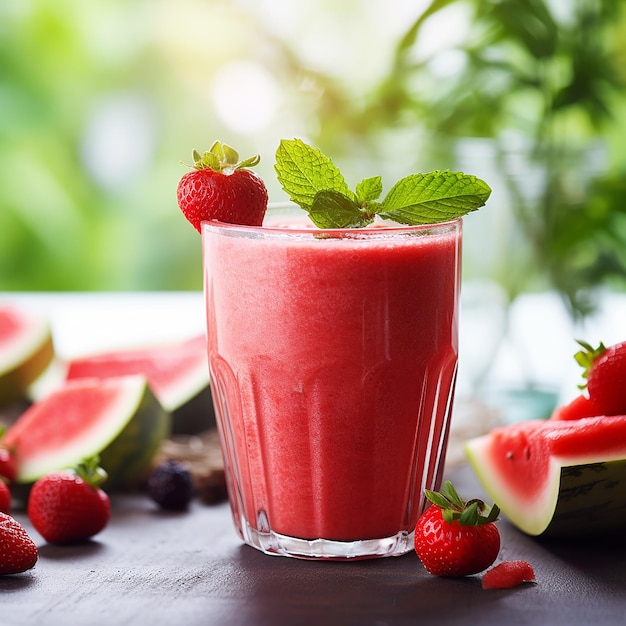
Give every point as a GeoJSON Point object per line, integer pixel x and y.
{"type": "Point", "coordinates": [333, 359]}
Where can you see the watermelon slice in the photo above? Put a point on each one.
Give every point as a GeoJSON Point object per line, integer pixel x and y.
{"type": "Point", "coordinates": [178, 374]}
{"type": "Point", "coordinates": [117, 418]}
{"type": "Point", "coordinates": [556, 477]}
{"type": "Point", "coordinates": [26, 350]}
{"type": "Point", "coordinates": [581, 406]}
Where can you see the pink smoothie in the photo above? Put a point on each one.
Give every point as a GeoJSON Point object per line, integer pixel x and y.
{"type": "Point", "coordinates": [333, 363]}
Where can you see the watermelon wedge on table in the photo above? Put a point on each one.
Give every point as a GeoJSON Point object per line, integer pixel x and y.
{"type": "Point", "coordinates": [556, 477]}
{"type": "Point", "coordinates": [26, 350]}
{"type": "Point", "coordinates": [177, 372]}
{"type": "Point", "coordinates": [117, 418]}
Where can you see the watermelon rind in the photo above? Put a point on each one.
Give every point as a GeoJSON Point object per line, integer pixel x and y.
{"type": "Point", "coordinates": [532, 517]}
{"type": "Point", "coordinates": [128, 459]}
{"type": "Point", "coordinates": [25, 356]}
{"type": "Point", "coordinates": [126, 433]}
{"type": "Point", "coordinates": [591, 499]}
{"type": "Point", "coordinates": [177, 372]}
{"type": "Point", "coordinates": [195, 415]}
{"type": "Point", "coordinates": [582, 494]}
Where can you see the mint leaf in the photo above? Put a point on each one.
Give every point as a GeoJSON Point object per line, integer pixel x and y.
{"type": "Point", "coordinates": [312, 180]}
{"type": "Point", "coordinates": [303, 171]}
{"type": "Point", "coordinates": [369, 190]}
{"type": "Point", "coordinates": [435, 197]}
{"type": "Point", "coordinates": [331, 209]}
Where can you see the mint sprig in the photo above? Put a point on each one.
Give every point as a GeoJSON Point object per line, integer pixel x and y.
{"type": "Point", "coordinates": [312, 181]}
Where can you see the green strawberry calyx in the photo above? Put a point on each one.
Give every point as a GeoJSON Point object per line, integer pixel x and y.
{"type": "Point", "coordinates": [453, 508]}
{"type": "Point", "coordinates": [586, 358]}
{"type": "Point", "coordinates": [312, 181]}
{"type": "Point", "coordinates": [222, 158]}
{"type": "Point", "coordinates": [90, 471]}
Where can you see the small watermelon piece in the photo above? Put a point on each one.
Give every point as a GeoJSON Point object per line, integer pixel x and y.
{"type": "Point", "coordinates": [581, 406]}
{"type": "Point", "coordinates": [177, 372]}
{"type": "Point", "coordinates": [26, 350]}
{"type": "Point", "coordinates": [508, 574]}
{"type": "Point", "coordinates": [118, 418]}
{"type": "Point", "coordinates": [556, 477]}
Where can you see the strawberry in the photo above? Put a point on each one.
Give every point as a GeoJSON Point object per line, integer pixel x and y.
{"type": "Point", "coordinates": [508, 574]}
{"type": "Point", "coordinates": [454, 537]}
{"type": "Point", "coordinates": [69, 506]}
{"type": "Point", "coordinates": [8, 466]}
{"type": "Point", "coordinates": [605, 372]}
{"type": "Point", "coordinates": [5, 497]}
{"type": "Point", "coordinates": [17, 550]}
{"type": "Point", "coordinates": [221, 187]}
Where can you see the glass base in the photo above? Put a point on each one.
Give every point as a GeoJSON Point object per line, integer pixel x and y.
{"type": "Point", "coordinates": [275, 544]}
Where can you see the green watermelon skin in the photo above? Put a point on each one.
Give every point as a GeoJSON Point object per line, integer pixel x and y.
{"type": "Point", "coordinates": [128, 458]}
{"type": "Point", "coordinates": [119, 419]}
{"type": "Point", "coordinates": [177, 372]}
{"type": "Point", "coordinates": [556, 478]}
{"type": "Point", "coordinates": [194, 416]}
{"type": "Point", "coordinates": [26, 350]}
{"type": "Point", "coordinates": [591, 500]}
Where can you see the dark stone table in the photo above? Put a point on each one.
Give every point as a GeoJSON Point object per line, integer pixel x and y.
{"type": "Point", "coordinates": [154, 568]}
{"type": "Point", "coordinates": [150, 568]}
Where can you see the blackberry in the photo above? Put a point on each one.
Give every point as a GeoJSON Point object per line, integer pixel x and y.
{"type": "Point", "coordinates": [170, 485]}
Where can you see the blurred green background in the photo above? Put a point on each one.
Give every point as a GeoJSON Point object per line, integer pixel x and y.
{"type": "Point", "coordinates": [101, 100]}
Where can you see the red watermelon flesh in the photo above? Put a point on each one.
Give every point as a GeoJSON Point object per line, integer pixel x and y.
{"type": "Point", "coordinates": [26, 350]}
{"type": "Point", "coordinates": [117, 418]}
{"type": "Point", "coordinates": [581, 406]}
{"type": "Point", "coordinates": [176, 372]}
{"type": "Point", "coordinates": [527, 468]}
{"type": "Point", "coordinates": [508, 574]}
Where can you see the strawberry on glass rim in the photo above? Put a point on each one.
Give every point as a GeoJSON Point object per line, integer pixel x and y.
{"type": "Point", "coordinates": [221, 187]}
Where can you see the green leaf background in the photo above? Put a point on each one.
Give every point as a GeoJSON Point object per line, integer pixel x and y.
{"type": "Point", "coordinates": [520, 73]}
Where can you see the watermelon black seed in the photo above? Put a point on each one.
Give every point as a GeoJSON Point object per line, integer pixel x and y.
{"type": "Point", "coordinates": [170, 485]}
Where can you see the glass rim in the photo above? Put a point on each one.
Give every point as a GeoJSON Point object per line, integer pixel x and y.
{"type": "Point", "coordinates": [381, 229]}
